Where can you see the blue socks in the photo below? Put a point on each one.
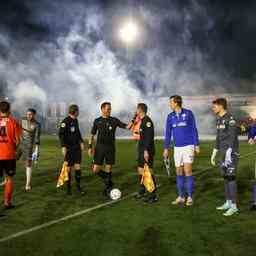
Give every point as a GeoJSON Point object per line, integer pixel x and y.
{"type": "Point", "coordinates": [190, 185]}
{"type": "Point", "coordinates": [189, 181]}
{"type": "Point", "coordinates": [254, 193]}
{"type": "Point", "coordinates": [180, 181]}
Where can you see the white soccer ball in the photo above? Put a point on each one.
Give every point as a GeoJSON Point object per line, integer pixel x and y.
{"type": "Point", "coordinates": [115, 194]}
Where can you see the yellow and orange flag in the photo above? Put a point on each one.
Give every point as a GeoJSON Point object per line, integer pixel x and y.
{"type": "Point", "coordinates": [63, 177]}
{"type": "Point", "coordinates": [147, 179]}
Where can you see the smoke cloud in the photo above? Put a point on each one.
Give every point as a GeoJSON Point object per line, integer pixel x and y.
{"type": "Point", "coordinates": [68, 52]}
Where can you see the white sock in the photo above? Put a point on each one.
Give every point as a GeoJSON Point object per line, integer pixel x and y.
{"type": "Point", "coordinates": [233, 205]}
{"type": "Point", "coordinates": [29, 175]}
{"type": "Point", "coordinates": [229, 202]}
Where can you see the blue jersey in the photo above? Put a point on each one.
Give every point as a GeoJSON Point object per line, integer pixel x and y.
{"type": "Point", "coordinates": [252, 131]}
{"type": "Point", "coordinates": [181, 128]}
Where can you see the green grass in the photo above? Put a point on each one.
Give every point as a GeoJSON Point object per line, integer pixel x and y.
{"type": "Point", "coordinates": [128, 227]}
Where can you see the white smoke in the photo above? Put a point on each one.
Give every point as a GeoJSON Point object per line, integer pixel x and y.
{"type": "Point", "coordinates": [27, 90]}
{"type": "Point", "coordinates": [80, 67]}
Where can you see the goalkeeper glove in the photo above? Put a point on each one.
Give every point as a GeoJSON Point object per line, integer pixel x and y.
{"type": "Point", "coordinates": [213, 157]}
{"type": "Point", "coordinates": [35, 154]}
{"type": "Point", "coordinates": [228, 158]}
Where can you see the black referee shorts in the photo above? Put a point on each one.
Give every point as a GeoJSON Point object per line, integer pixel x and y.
{"type": "Point", "coordinates": [73, 156]}
{"type": "Point", "coordinates": [141, 160]}
{"type": "Point", "coordinates": [8, 167]}
{"type": "Point", "coordinates": [105, 154]}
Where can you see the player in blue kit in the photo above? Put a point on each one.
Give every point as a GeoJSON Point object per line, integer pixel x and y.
{"type": "Point", "coordinates": [252, 141]}
{"type": "Point", "coordinates": [181, 131]}
{"type": "Point", "coordinates": [252, 133]}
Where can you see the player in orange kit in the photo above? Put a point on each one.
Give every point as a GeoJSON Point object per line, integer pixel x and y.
{"type": "Point", "coordinates": [10, 133]}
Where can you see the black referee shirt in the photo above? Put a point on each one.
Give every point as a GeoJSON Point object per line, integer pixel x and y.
{"type": "Point", "coordinates": [105, 128]}
{"type": "Point", "coordinates": [69, 133]}
{"type": "Point", "coordinates": [146, 141]}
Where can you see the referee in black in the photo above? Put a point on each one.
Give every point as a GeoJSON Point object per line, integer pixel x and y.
{"type": "Point", "coordinates": [105, 128]}
{"type": "Point", "coordinates": [72, 146]}
{"type": "Point", "coordinates": [146, 152]}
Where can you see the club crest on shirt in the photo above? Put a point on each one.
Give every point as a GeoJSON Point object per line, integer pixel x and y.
{"type": "Point", "coordinates": [110, 128]}
{"type": "Point", "coordinates": [183, 116]}
{"type": "Point", "coordinates": [180, 124]}
{"type": "Point", "coordinates": [148, 124]}
{"type": "Point", "coordinates": [72, 128]}
{"type": "Point", "coordinates": [232, 122]}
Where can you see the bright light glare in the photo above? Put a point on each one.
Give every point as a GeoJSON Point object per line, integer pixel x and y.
{"type": "Point", "coordinates": [250, 110]}
{"type": "Point", "coordinates": [253, 114]}
{"type": "Point", "coordinates": [129, 32]}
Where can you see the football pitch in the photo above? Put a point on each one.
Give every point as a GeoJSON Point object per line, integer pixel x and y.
{"type": "Point", "coordinates": [48, 222]}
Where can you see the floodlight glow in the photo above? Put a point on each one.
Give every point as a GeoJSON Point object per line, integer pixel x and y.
{"type": "Point", "coordinates": [129, 32]}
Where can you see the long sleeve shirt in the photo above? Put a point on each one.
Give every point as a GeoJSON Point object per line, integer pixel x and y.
{"type": "Point", "coordinates": [146, 141]}
{"type": "Point", "coordinates": [69, 133]}
{"type": "Point", "coordinates": [181, 129]}
{"type": "Point", "coordinates": [227, 133]}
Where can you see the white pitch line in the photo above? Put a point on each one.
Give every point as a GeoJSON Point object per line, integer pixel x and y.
{"type": "Point", "coordinates": [71, 216]}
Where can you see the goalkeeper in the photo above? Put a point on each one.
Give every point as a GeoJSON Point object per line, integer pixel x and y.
{"type": "Point", "coordinates": [29, 148]}
{"type": "Point", "coordinates": [227, 145]}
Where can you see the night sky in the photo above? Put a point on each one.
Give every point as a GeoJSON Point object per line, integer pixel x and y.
{"type": "Point", "coordinates": [212, 41]}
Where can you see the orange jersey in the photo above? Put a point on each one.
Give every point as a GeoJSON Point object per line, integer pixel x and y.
{"type": "Point", "coordinates": [10, 133]}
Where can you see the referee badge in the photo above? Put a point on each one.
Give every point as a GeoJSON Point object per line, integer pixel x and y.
{"type": "Point", "coordinates": [148, 124]}
{"type": "Point", "coordinates": [72, 128]}
{"type": "Point", "coordinates": [232, 122]}
{"type": "Point", "coordinates": [63, 125]}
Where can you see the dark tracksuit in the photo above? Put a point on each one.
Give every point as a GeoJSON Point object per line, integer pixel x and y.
{"type": "Point", "coordinates": [146, 143]}
{"type": "Point", "coordinates": [71, 138]}
{"type": "Point", "coordinates": [227, 138]}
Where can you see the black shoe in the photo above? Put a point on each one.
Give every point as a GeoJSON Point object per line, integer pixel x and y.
{"type": "Point", "coordinates": [151, 199]}
{"type": "Point", "coordinates": [139, 196]}
{"type": "Point", "coordinates": [253, 207]}
{"type": "Point", "coordinates": [8, 207]}
{"type": "Point", "coordinates": [2, 215]}
{"type": "Point", "coordinates": [80, 191]}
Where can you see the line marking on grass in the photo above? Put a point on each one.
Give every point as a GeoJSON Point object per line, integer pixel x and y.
{"type": "Point", "coordinates": [71, 216]}
{"type": "Point", "coordinates": [82, 212]}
